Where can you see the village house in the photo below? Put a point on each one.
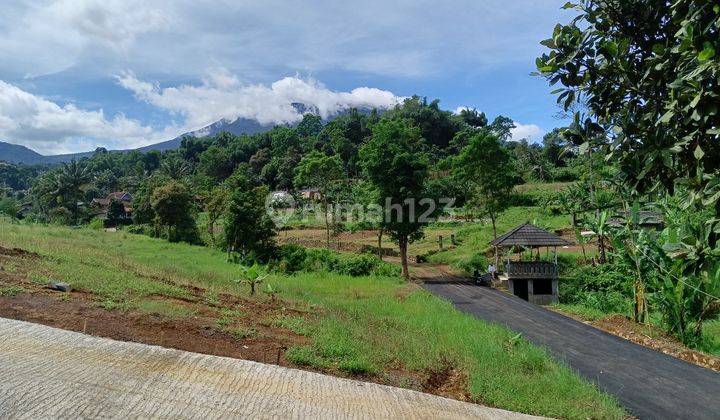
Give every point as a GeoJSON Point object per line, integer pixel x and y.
{"type": "Point", "coordinates": [100, 206]}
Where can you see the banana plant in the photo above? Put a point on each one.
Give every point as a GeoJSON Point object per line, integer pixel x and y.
{"type": "Point", "coordinates": [252, 276]}
{"type": "Point", "coordinates": [598, 224]}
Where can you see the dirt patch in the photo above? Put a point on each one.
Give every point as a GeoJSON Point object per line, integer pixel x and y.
{"type": "Point", "coordinates": [652, 337]}
{"type": "Point", "coordinates": [447, 381]}
{"type": "Point", "coordinates": [17, 252]}
{"type": "Point", "coordinates": [195, 333]}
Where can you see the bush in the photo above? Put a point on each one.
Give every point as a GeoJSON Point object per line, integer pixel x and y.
{"type": "Point", "coordinates": [96, 224]}
{"type": "Point", "coordinates": [359, 265]}
{"type": "Point", "coordinates": [142, 229]}
{"type": "Point", "coordinates": [476, 262]}
{"type": "Point", "coordinates": [60, 216]}
{"type": "Point", "coordinates": [9, 206]}
{"type": "Point", "coordinates": [294, 258]}
{"type": "Point", "coordinates": [604, 287]}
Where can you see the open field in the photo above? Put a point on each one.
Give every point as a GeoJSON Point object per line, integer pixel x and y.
{"type": "Point", "coordinates": [374, 328]}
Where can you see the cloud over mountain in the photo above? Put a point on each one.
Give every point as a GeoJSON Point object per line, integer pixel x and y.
{"type": "Point", "coordinates": [51, 127]}
{"type": "Point", "coordinates": [222, 96]}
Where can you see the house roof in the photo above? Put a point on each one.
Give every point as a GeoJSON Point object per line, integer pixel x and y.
{"type": "Point", "coordinates": [119, 195]}
{"type": "Point", "coordinates": [529, 235]}
{"type": "Point", "coordinates": [645, 218]}
{"type": "Point", "coordinates": [100, 201]}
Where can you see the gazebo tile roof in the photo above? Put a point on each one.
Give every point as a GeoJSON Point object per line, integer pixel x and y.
{"type": "Point", "coordinates": [529, 235]}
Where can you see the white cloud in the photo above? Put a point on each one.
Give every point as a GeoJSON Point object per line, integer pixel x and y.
{"type": "Point", "coordinates": [51, 37]}
{"type": "Point", "coordinates": [48, 127]}
{"type": "Point", "coordinates": [530, 132]}
{"type": "Point", "coordinates": [222, 96]}
{"type": "Point", "coordinates": [401, 39]}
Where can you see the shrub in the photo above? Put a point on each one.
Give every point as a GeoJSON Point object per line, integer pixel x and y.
{"type": "Point", "coordinates": [357, 265]}
{"type": "Point", "coordinates": [294, 258]}
{"type": "Point", "coordinates": [142, 229]}
{"type": "Point", "coordinates": [604, 287]}
{"type": "Point", "coordinates": [9, 206]}
{"type": "Point", "coordinates": [96, 224]}
{"type": "Point", "coordinates": [476, 262]}
{"type": "Point", "coordinates": [60, 216]}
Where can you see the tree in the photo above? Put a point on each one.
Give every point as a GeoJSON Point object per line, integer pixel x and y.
{"type": "Point", "coordinates": [436, 126]}
{"type": "Point", "coordinates": [473, 117]}
{"type": "Point", "coordinates": [63, 187]}
{"type": "Point", "coordinates": [502, 128]}
{"type": "Point", "coordinates": [9, 206]}
{"type": "Point", "coordinates": [555, 147]}
{"type": "Point", "coordinates": [394, 161]}
{"type": "Point", "coordinates": [485, 167]}
{"type": "Point", "coordinates": [175, 167]}
{"type": "Point", "coordinates": [216, 163]}
{"type": "Point", "coordinates": [649, 83]}
{"type": "Point", "coordinates": [115, 213]}
{"type": "Point", "coordinates": [247, 226]}
{"type": "Point", "coordinates": [310, 125]}
{"type": "Point", "coordinates": [252, 276]}
{"type": "Point", "coordinates": [215, 207]}
{"type": "Point", "coordinates": [324, 173]}
{"type": "Point", "coordinates": [650, 79]}
{"type": "Point", "coordinates": [598, 224]}
{"type": "Point", "coordinates": [172, 205]}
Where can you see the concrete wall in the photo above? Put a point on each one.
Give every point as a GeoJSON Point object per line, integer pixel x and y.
{"type": "Point", "coordinates": [532, 297]}
{"type": "Point", "coordinates": [543, 299]}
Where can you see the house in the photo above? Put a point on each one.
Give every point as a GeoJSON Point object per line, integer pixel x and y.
{"type": "Point", "coordinates": [312, 194]}
{"type": "Point", "coordinates": [25, 209]}
{"type": "Point", "coordinates": [100, 207]}
{"type": "Point", "coordinates": [646, 219]}
{"type": "Point", "coordinates": [535, 280]}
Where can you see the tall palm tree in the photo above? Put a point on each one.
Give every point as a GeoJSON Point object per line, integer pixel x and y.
{"type": "Point", "coordinates": [69, 182]}
{"type": "Point", "coordinates": [174, 167]}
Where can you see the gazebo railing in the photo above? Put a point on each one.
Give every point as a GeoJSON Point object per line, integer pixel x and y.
{"type": "Point", "coordinates": [531, 270]}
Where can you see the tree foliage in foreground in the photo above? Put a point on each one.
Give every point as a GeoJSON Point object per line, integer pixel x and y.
{"type": "Point", "coordinates": [647, 71]}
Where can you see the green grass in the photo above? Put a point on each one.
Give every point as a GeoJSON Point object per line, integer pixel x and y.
{"type": "Point", "coordinates": [10, 291]}
{"type": "Point", "coordinates": [542, 186]}
{"type": "Point", "coordinates": [585, 312]}
{"type": "Point", "coordinates": [711, 338]}
{"type": "Point", "coordinates": [355, 325]}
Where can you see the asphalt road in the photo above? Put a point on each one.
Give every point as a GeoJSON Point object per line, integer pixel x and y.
{"type": "Point", "coordinates": [46, 372]}
{"type": "Point", "coordinates": [650, 384]}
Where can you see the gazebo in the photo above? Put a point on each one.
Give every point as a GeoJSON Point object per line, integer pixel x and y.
{"type": "Point", "coordinates": [534, 280]}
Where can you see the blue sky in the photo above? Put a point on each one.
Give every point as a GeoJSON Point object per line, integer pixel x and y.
{"type": "Point", "coordinates": [77, 74]}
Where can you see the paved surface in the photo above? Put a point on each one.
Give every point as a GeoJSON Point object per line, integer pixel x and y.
{"type": "Point", "coordinates": [49, 373]}
{"type": "Point", "coordinates": [650, 384]}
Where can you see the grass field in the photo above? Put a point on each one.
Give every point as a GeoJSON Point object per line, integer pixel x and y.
{"type": "Point", "coordinates": [372, 327]}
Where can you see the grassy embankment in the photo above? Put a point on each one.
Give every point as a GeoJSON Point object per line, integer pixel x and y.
{"type": "Point", "coordinates": [365, 327]}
